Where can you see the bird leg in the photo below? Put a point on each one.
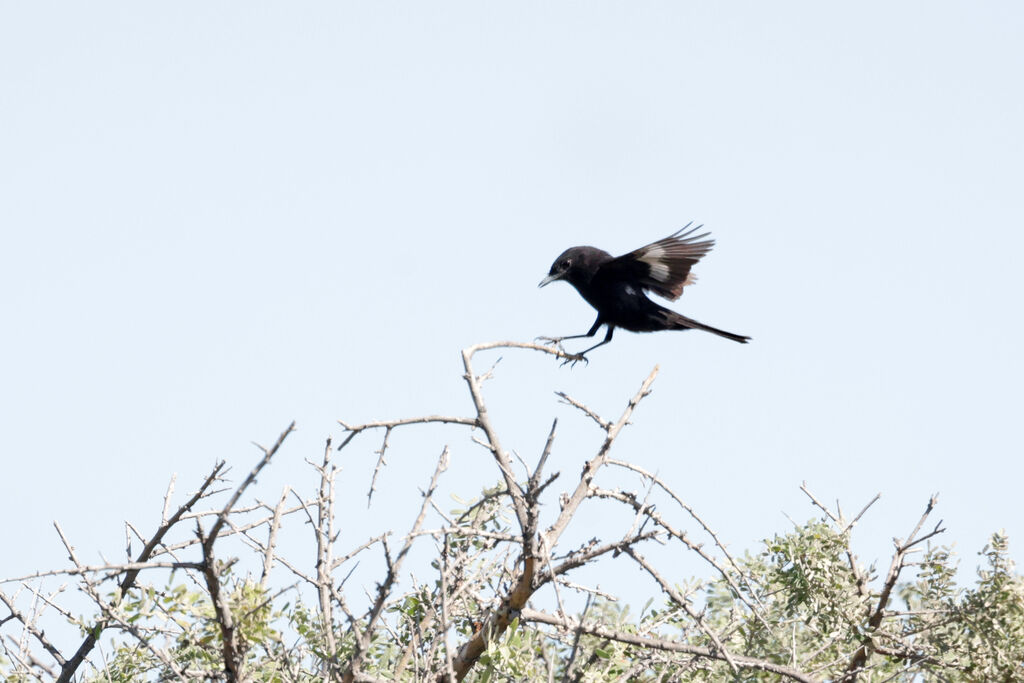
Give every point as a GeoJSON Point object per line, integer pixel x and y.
{"type": "Point", "coordinates": [558, 340]}
{"type": "Point", "coordinates": [582, 355]}
{"type": "Point", "coordinates": [607, 338]}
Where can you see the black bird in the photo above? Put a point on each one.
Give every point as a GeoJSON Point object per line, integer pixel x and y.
{"type": "Point", "coordinates": [616, 286]}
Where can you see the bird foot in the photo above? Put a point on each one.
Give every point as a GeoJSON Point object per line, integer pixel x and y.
{"type": "Point", "coordinates": [575, 358]}
{"type": "Point", "coordinates": [555, 341]}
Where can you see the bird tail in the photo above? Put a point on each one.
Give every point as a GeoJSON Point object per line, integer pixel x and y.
{"type": "Point", "coordinates": [681, 322]}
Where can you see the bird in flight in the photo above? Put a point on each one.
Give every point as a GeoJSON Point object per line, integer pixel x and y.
{"type": "Point", "coordinates": [617, 286]}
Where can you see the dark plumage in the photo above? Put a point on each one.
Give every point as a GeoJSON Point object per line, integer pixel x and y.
{"type": "Point", "coordinates": [616, 286]}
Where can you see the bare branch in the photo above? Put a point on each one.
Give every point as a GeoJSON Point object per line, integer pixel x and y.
{"type": "Point", "coordinates": [601, 422]}
{"type": "Point", "coordinates": [391, 424]}
{"type": "Point", "coordinates": [354, 430]}
{"type": "Point", "coordinates": [112, 568]}
{"type": "Point", "coordinates": [860, 514]}
{"type": "Point", "coordinates": [231, 649]}
{"type": "Point", "coordinates": [557, 353]}
{"type": "Point", "coordinates": [29, 625]}
{"type": "Point", "coordinates": [354, 664]}
{"type": "Point", "coordinates": [267, 455]}
{"type": "Point", "coordinates": [860, 657]}
{"type": "Point", "coordinates": [69, 668]}
{"type": "Point", "coordinates": [592, 466]}
{"type": "Point", "coordinates": [275, 525]}
{"type": "Point", "coordinates": [757, 609]}
{"type": "Point", "coordinates": [579, 631]}
{"type": "Point", "coordinates": [483, 420]}
{"type": "Point", "coordinates": [684, 603]}
{"type": "Point", "coordinates": [817, 503]}
{"type": "Point", "coordinates": [324, 548]}
{"type": "Point", "coordinates": [570, 624]}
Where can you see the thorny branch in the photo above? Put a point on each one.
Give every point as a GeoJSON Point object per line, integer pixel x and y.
{"type": "Point", "coordinates": [392, 575]}
{"type": "Point", "coordinates": [491, 565]}
{"type": "Point", "coordinates": [69, 667]}
{"type": "Point", "coordinates": [899, 558]}
{"type": "Point", "coordinates": [653, 643]}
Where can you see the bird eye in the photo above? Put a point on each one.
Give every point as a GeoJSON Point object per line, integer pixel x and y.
{"type": "Point", "coordinates": [568, 262]}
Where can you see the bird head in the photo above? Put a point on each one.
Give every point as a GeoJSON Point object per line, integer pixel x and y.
{"type": "Point", "coordinates": [576, 265]}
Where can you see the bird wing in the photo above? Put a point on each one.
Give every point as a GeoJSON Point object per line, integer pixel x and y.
{"type": "Point", "coordinates": [663, 266]}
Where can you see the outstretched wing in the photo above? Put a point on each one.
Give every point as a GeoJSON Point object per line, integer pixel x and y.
{"type": "Point", "coordinates": [663, 266]}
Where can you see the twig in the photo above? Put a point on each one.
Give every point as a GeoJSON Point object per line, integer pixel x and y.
{"type": "Point", "coordinates": [601, 422]}
{"type": "Point", "coordinates": [577, 635]}
{"type": "Point", "coordinates": [681, 600]}
{"type": "Point", "coordinates": [592, 466]}
{"type": "Point", "coordinates": [324, 561]}
{"type": "Point", "coordinates": [275, 525]}
{"type": "Point", "coordinates": [31, 628]}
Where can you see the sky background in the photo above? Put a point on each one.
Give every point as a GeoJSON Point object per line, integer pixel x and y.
{"type": "Point", "coordinates": [220, 217]}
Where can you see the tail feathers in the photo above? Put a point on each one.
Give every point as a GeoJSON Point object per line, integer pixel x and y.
{"type": "Point", "coordinates": [681, 322]}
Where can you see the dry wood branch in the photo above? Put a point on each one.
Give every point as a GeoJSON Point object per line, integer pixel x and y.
{"type": "Point", "coordinates": [232, 649]}
{"type": "Point", "coordinates": [585, 409]}
{"type": "Point", "coordinates": [486, 575]}
{"type": "Point", "coordinates": [525, 580]}
{"type": "Point", "coordinates": [650, 643]}
{"type": "Point", "coordinates": [115, 617]}
{"type": "Point", "coordinates": [354, 665]}
{"type": "Point", "coordinates": [577, 636]}
{"type": "Point", "coordinates": [483, 420]}
{"type": "Point", "coordinates": [684, 603]}
{"type": "Point", "coordinates": [455, 570]}
{"type": "Point", "coordinates": [268, 453]}
{"type": "Point", "coordinates": [324, 555]}
{"type": "Point", "coordinates": [69, 668]}
{"type": "Point", "coordinates": [757, 609]}
{"type": "Point", "coordinates": [586, 590]}
{"type": "Point", "coordinates": [843, 527]}
{"type": "Point", "coordinates": [446, 575]}
{"type": "Point", "coordinates": [234, 529]}
{"type": "Point", "coordinates": [391, 424]}
{"type": "Point", "coordinates": [849, 525]}
{"type": "Point", "coordinates": [275, 525]}
{"type": "Point", "coordinates": [534, 487]}
{"type": "Point", "coordinates": [355, 551]}
{"type": "Point", "coordinates": [859, 659]}
{"type": "Point", "coordinates": [557, 353]}
{"type": "Point", "coordinates": [167, 498]}
{"type": "Point", "coordinates": [30, 626]}
{"type": "Point", "coordinates": [592, 466]}
{"type": "Point", "coordinates": [592, 551]}
{"type": "Point", "coordinates": [110, 611]}
{"type": "Point", "coordinates": [379, 466]}
{"type": "Point", "coordinates": [631, 500]}
{"type": "Point", "coordinates": [388, 425]}
{"type": "Point", "coordinates": [114, 569]}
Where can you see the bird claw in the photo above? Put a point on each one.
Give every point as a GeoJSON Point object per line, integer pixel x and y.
{"type": "Point", "coordinates": [553, 341]}
{"type": "Point", "coordinates": [575, 358]}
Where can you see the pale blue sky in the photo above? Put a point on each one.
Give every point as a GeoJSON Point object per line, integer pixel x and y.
{"type": "Point", "coordinates": [219, 217]}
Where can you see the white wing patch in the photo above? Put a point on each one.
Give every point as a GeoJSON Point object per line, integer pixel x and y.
{"type": "Point", "coordinates": [652, 257]}
{"type": "Point", "coordinates": [659, 271]}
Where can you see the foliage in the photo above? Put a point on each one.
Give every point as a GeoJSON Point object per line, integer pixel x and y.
{"type": "Point", "coordinates": [814, 617]}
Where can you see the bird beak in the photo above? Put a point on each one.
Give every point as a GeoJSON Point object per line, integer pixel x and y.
{"type": "Point", "coordinates": [549, 279]}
